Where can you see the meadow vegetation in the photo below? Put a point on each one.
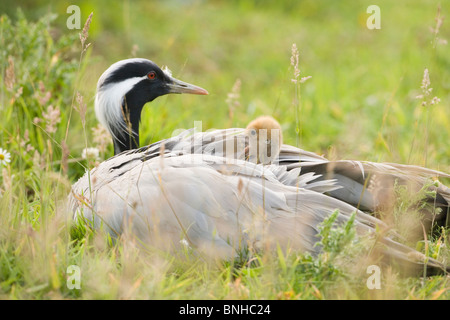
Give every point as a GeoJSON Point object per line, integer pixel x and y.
{"type": "Point", "coordinates": [368, 98]}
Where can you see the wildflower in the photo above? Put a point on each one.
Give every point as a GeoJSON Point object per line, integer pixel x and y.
{"type": "Point", "coordinates": [18, 93]}
{"type": "Point", "coordinates": [24, 142]}
{"type": "Point", "coordinates": [294, 63]}
{"type": "Point", "coordinates": [101, 137]}
{"type": "Point", "coordinates": [426, 82]}
{"type": "Point", "coordinates": [303, 79]}
{"type": "Point", "coordinates": [5, 157]}
{"type": "Point", "coordinates": [426, 90]}
{"type": "Point", "coordinates": [90, 153]}
{"type": "Point", "coordinates": [435, 100]}
{"type": "Point", "coordinates": [184, 243]}
{"type": "Point", "coordinates": [42, 95]}
{"type": "Point", "coordinates": [52, 118]}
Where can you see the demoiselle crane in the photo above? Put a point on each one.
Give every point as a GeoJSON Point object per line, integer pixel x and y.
{"type": "Point", "coordinates": [203, 189]}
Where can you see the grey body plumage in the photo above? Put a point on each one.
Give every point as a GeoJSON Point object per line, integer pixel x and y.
{"type": "Point", "coordinates": [190, 188]}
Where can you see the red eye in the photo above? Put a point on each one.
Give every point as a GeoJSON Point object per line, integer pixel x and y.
{"type": "Point", "coordinates": [151, 75]}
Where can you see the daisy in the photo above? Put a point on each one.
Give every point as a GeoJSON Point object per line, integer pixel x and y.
{"type": "Point", "coordinates": [5, 157]}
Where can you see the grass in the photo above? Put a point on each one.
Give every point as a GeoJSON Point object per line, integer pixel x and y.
{"type": "Point", "coordinates": [359, 104]}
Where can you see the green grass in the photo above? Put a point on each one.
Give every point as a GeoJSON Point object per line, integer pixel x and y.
{"type": "Point", "coordinates": [359, 104]}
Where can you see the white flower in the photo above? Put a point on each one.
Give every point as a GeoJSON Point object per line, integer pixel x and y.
{"type": "Point", "coordinates": [90, 153]}
{"type": "Point", "coordinates": [185, 243]}
{"type": "Point", "coordinates": [5, 157]}
{"type": "Point", "coordinates": [435, 100]}
{"type": "Point", "coordinates": [303, 79]}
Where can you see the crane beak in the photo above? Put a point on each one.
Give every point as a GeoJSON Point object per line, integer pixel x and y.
{"type": "Point", "coordinates": [178, 86]}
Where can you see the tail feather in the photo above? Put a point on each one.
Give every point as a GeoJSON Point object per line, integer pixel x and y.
{"type": "Point", "coordinates": [370, 186]}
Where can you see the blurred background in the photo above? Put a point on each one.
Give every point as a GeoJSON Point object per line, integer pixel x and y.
{"type": "Point", "coordinates": [359, 104]}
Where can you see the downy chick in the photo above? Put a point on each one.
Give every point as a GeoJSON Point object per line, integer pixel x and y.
{"type": "Point", "coordinates": [265, 140]}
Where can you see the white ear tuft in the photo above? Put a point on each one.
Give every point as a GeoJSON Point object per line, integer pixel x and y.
{"type": "Point", "coordinates": [108, 104]}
